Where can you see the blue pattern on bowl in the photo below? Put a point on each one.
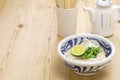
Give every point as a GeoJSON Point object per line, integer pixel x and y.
{"type": "Point", "coordinates": [86, 70]}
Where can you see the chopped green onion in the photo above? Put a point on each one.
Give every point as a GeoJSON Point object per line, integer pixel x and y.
{"type": "Point", "coordinates": [91, 52]}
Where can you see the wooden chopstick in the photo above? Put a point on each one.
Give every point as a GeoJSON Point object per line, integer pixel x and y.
{"type": "Point", "coordinates": [66, 4]}
{"type": "Point", "coordinates": [60, 3]}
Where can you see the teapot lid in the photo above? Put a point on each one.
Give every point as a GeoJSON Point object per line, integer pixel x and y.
{"type": "Point", "coordinates": [103, 3]}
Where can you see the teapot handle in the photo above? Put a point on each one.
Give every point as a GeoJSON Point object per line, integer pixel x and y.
{"type": "Point", "coordinates": [118, 15]}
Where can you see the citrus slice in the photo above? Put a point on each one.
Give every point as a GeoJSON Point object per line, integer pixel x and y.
{"type": "Point", "coordinates": [77, 50]}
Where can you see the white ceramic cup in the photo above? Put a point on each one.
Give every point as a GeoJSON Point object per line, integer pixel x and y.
{"type": "Point", "coordinates": [66, 21]}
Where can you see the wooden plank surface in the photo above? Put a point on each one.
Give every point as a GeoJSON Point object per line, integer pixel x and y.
{"type": "Point", "coordinates": [28, 42]}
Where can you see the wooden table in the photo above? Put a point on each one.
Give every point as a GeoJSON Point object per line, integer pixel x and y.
{"type": "Point", "coordinates": [28, 42]}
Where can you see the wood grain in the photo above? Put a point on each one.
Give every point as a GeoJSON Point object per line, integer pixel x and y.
{"type": "Point", "coordinates": [28, 42]}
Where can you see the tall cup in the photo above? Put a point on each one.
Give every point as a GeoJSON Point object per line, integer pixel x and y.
{"type": "Point", "coordinates": [66, 21]}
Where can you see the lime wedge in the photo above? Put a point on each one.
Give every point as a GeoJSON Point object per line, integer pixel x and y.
{"type": "Point", "coordinates": [77, 50]}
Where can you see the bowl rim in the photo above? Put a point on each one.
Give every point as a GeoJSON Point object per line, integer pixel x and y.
{"type": "Point", "coordinates": [85, 63]}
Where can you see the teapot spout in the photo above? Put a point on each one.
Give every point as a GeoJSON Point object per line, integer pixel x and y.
{"type": "Point", "coordinates": [115, 7]}
{"type": "Point", "coordinates": [91, 13]}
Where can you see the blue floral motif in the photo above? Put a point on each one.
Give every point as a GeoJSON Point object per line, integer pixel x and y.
{"type": "Point", "coordinates": [67, 46]}
{"type": "Point", "coordinates": [74, 67]}
{"type": "Point", "coordinates": [75, 41]}
{"type": "Point", "coordinates": [85, 70]}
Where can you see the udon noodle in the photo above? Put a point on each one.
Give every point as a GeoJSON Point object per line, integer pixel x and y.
{"type": "Point", "coordinates": [87, 43]}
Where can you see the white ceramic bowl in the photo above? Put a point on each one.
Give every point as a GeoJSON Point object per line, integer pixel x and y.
{"type": "Point", "coordinates": [84, 67]}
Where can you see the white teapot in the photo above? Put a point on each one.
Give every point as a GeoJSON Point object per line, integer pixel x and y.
{"type": "Point", "coordinates": [102, 17]}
